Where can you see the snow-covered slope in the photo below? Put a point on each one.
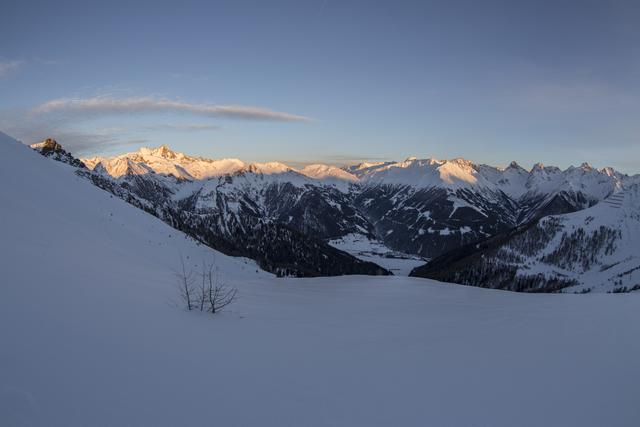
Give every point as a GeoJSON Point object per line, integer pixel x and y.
{"type": "Point", "coordinates": [89, 336]}
{"type": "Point", "coordinates": [330, 175]}
{"type": "Point", "coordinates": [319, 171]}
{"type": "Point", "coordinates": [60, 212]}
{"type": "Point", "coordinates": [512, 180]}
{"type": "Point", "coordinates": [595, 249]}
{"type": "Point", "coordinates": [427, 173]}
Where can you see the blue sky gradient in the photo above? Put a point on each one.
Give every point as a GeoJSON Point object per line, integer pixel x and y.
{"type": "Point", "coordinates": [491, 81]}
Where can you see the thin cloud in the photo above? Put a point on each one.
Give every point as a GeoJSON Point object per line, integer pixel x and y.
{"type": "Point", "coordinates": [9, 66]}
{"type": "Point", "coordinates": [17, 123]}
{"type": "Point", "coordinates": [47, 61]}
{"type": "Point", "coordinates": [80, 143]}
{"type": "Point", "coordinates": [180, 128]}
{"type": "Point", "coordinates": [34, 128]}
{"type": "Point", "coordinates": [109, 105]}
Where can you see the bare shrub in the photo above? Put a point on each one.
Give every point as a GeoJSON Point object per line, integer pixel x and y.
{"type": "Point", "coordinates": [185, 282]}
{"type": "Point", "coordinates": [209, 294]}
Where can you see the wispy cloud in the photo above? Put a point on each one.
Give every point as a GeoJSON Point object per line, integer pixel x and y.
{"type": "Point", "coordinates": [7, 67]}
{"type": "Point", "coordinates": [110, 105]}
{"type": "Point", "coordinates": [66, 120]}
{"type": "Point", "coordinates": [180, 128]}
{"type": "Point", "coordinates": [79, 142]}
{"type": "Point", "coordinates": [49, 61]}
{"type": "Point", "coordinates": [82, 142]}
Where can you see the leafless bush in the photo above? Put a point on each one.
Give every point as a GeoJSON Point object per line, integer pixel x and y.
{"type": "Point", "coordinates": [209, 294]}
{"type": "Point", "coordinates": [185, 282]}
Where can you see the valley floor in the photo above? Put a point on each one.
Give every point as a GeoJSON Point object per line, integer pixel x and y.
{"type": "Point", "coordinates": [90, 334]}
{"type": "Point", "coordinates": [361, 247]}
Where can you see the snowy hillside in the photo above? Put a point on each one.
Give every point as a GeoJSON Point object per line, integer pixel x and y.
{"type": "Point", "coordinates": [89, 335]}
{"type": "Point", "coordinates": [595, 249]}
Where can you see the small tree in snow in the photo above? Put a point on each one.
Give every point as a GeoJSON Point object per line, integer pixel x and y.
{"type": "Point", "coordinates": [185, 282]}
{"type": "Point", "coordinates": [203, 288]}
{"type": "Point", "coordinates": [209, 294]}
{"type": "Point", "coordinates": [218, 296]}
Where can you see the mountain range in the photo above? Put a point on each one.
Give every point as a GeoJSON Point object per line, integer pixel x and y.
{"type": "Point", "coordinates": [295, 221]}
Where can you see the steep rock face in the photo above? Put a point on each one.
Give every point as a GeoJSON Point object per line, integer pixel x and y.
{"type": "Point", "coordinates": [594, 249]}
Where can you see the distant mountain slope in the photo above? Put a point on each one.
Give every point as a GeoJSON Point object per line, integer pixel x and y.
{"type": "Point", "coordinates": [239, 193]}
{"type": "Point", "coordinates": [420, 206]}
{"type": "Point", "coordinates": [256, 212]}
{"type": "Point", "coordinates": [595, 249]}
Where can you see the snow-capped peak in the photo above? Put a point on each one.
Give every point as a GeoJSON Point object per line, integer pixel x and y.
{"type": "Point", "coordinates": [537, 167]}
{"type": "Point", "coordinates": [515, 165]}
{"type": "Point", "coordinates": [514, 181]}
{"type": "Point", "coordinates": [323, 172]}
{"type": "Point", "coordinates": [269, 168]}
{"type": "Point", "coordinates": [425, 173]}
{"type": "Point", "coordinates": [162, 151]}
{"type": "Point", "coordinates": [586, 166]}
{"type": "Point", "coordinates": [163, 160]}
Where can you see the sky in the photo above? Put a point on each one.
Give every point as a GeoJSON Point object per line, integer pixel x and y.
{"type": "Point", "coordinates": [336, 82]}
